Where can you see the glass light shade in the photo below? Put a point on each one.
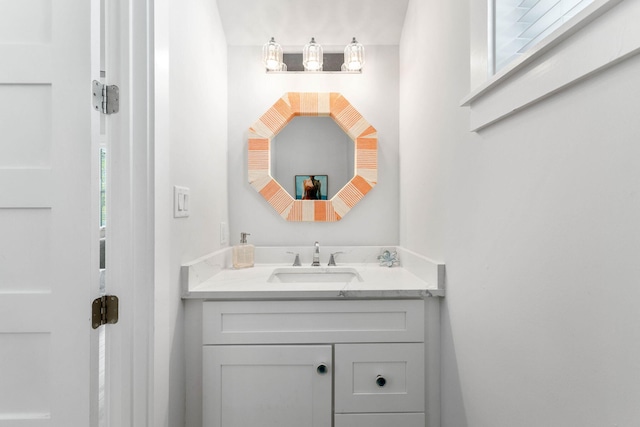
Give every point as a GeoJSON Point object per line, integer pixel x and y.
{"type": "Point", "coordinates": [272, 56]}
{"type": "Point", "coordinates": [353, 56]}
{"type": "Point", "coordinates": [312, 56]}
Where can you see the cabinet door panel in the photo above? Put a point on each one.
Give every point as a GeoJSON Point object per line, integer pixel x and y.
{"type": "Point", "coordinates": [267, 386]}
{"type": "Point", "coordinates": [379, 378]}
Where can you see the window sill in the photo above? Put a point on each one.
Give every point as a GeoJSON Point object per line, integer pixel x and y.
{"type": "Point", "coordinates": [549, 67]}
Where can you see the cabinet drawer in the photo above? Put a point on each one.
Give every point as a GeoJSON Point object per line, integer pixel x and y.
{"type": "Point", "coordinates": [379, 378]}
{"type": "Point", "coordinates": [379, 420]}
{"type": "Point", "coordinates": [288, 322]}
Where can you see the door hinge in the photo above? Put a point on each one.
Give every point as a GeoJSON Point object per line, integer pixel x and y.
{"type": "Point", "coordinates": [104, 310]}
{"type": "Point", "coordinates": [106, 98]}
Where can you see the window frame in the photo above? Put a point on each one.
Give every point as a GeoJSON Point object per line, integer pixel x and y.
{"type": "Point", "coordinates": [508, 91]}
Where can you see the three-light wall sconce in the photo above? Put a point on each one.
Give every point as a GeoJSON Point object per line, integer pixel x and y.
{"type": "Point", "coordinates": [313, 58]}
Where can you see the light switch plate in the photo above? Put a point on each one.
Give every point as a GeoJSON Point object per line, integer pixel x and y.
{"type": "Point", "coordinates": [181, 202]}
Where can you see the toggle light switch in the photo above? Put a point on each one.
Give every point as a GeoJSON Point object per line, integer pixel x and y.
{"type": "Point", "coordinates": [180, 202]}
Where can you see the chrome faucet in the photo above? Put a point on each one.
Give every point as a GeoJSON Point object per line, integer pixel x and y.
{"type": "Point", "coordinates": [316, 255]}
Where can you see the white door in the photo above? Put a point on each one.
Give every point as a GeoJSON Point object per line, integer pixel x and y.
{"type": "Point", "coordinates": [267, 386]}
{"type": "Point", "coordinates": [48, 214]}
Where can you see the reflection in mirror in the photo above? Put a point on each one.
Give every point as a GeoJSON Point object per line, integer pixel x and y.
{"type": "Point", "coordinates": [312, 146]}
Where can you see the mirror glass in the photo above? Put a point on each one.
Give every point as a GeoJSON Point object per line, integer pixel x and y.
{"type": "Point", "coordinates": [312, 146]}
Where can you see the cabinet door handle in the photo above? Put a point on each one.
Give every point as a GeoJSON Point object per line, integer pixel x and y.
{"type": "Point", "coordinates": [322, 368]}
{"type": "Point", "coordinates": [381, 381]}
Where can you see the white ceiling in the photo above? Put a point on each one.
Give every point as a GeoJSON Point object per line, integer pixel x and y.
{"type": "Point", "coordinates": [294, 22]}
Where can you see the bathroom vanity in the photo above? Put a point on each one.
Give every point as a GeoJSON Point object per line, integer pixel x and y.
{"type": "Point", "coordinates": [268, 349]}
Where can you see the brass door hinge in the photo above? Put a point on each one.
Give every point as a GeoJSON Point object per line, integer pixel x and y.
{"type": "Point", "coordinates": [104, 310]}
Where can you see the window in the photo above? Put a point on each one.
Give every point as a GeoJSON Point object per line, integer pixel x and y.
{"type": "Point", "coordinates": [520, 24]}
{"type": "Point", "coordinates": [605, 29]}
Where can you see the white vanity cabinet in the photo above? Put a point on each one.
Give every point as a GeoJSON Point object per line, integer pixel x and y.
{"type": "Point", "coordinates": [315, 363]}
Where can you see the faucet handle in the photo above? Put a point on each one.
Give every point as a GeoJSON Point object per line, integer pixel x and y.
{"type": "Point", "coordinates": [296, 262]}
{"type": "Point", "coordinates": [332, 259]}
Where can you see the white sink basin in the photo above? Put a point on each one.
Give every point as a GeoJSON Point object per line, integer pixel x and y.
{"type": "Point", "coordinates": [314, 275]}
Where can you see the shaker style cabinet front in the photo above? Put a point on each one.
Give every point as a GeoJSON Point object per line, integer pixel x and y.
{"type": "Point", "coordinates": [348, 363]}
{"type": "Point", "coordinates": [267, 386]}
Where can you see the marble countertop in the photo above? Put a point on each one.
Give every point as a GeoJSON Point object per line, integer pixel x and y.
{"type": "Point", "coordinates": [210, 278]}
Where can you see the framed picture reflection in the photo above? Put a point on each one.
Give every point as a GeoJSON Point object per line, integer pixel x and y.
{"type": "Point", "coordinates": [311, 187]}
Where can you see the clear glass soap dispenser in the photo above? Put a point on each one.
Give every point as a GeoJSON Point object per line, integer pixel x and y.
{"type": "Point", "coordinates": [243, 254]}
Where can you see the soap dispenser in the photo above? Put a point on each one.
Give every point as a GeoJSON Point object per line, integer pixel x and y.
{"type": "Point", "coordinates": [243, 253]}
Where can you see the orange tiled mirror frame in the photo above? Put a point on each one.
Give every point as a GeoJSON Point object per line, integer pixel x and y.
{"type": "Point", "coordinates": [294, 104]}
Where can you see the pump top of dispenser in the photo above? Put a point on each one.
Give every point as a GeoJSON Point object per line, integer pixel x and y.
{"type": "Point", "coordinates": [243, 237]}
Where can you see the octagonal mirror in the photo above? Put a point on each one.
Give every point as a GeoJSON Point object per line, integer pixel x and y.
{"type": "Point", "coordinates": [283, 186]}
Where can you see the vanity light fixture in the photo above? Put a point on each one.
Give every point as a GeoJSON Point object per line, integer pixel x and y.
{"type": "Point", "coordinates": [312, 56]}
{"type": "Point", "coordinates": [272, 56]}
{"type": "Point", "coordinates": [353, 56]}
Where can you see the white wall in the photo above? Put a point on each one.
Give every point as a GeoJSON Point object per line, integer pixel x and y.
{"type": "Point", "coordinates": [536, 218]}
{"type": "Point", "coordinates": [374, 221]}
{"type": "Point", "coordinates": [191, 151]}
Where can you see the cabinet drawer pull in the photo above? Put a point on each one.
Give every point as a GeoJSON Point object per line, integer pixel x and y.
{"type": "Point", "coordinates": [381, 381]}
{"type": "Point", "coordinates": [322, 369]}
